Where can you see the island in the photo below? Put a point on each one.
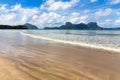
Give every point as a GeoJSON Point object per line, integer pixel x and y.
{"type": "Point", "coordinates": [81, 26]}
{"type": "Point", "coordinates": [25, 26]}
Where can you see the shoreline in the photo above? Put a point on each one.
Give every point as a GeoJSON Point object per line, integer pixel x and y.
{"type": "Point", "coordinates": [73, 43]}
{"type": "Point", "coordinates": [56, 62]}
{"type": "Point", "coordinates": [27, 58]}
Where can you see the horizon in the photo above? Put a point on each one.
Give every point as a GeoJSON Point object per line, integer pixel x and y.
{"type": "Point", "coordinates": [56, 26]}
{"type": "Point", "coordinates": [57, 12]}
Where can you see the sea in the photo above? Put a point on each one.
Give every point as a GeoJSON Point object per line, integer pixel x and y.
{"type": "Point", "coordinates": [99, 39]}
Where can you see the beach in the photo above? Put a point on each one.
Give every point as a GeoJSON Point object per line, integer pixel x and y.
{"type": "Point", "coordinates": [27, 58]}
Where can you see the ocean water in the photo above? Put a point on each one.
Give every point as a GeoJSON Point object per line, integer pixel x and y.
{"type": "Point", "coordinates": [100, 39]}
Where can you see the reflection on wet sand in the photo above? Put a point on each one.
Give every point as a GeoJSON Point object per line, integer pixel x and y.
{"type": "Point", "coordinates": [53, 62]}
{"type": "Point", "coordinates": [35, 59]}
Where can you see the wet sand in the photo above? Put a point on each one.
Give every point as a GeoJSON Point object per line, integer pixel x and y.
{"type": "Point", "coordinates": [59, 62]}
{"type": "Point", "coordinates": [35, 59]}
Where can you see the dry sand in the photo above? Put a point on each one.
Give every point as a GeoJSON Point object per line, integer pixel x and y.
{"type": "Point", "coordinates": [59, 62]}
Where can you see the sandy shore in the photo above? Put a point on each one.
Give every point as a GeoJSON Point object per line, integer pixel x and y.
{"type": "Point", "coordinates": [58, 62]}
{"type": "Point", "coordinates": [9, 71]}
{"type": "Point", "coordinates": [27, 58]}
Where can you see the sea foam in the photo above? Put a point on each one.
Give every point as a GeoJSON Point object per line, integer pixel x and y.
{"type": "Point", "coordinates": [72, 42]}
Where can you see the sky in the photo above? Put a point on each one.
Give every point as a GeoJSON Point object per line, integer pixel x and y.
{"type": "Point", "coordinates": [49, 13]}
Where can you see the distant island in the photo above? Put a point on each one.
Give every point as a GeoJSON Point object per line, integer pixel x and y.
{"type": "Point", "coordinates": [81, 26]}
{"type": "Point", "coordinates": [25, 26]}
{"type": "Point", "coordinates": [67, 26]}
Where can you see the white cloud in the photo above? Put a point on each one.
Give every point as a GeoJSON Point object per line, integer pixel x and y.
{"type": "Point", "coordinates": [110, 23]}
{"type": "Point", "coordinates": [7, 18]}
{"type": "Point", "coordinates": [93, 0]}
{"type": "Point", "coordinates": [18, 15]}
{"type": "Point", "coordinates": [77, 18]}
{"type": "Point", "coordinates": [117, 22]}
{"type": "Point", "coordinates": [16, 7]}
{"type": "Point", "coordinates": [55, 19]}
{"type": "Point", "coordinates": [52, 5]}
{"type": "Point", "coordinates": [106, 22]}
{"type": "Point", "coordinates": [118, 13]}
{"type": "Point", "coordinates": [27, 14]}
{"type": "Point", "coordinates": [47, 19]}
{"type": "Point", "coordinates": [101, 12]}
{"type": "Point", "coordinates": [114, 1]}
{"type": "Point", "coordinates": [86, 11]}
{"type": "Point", "coordinates": [3, 8]}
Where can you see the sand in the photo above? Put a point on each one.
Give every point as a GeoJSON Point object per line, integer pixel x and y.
{"type": "Point", "coordinates": [41, 61]}
{"type": "Point", "coordinates": [27, 58]}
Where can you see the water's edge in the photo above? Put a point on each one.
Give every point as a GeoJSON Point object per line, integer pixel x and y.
{"type": "Point", "coordinates": [71, 42]}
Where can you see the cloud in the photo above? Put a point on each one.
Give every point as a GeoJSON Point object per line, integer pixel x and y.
{"type": "Point", "coordinates": [114, 1]}
{"type": "Point", "coordinates": [110, 23]}
{"type": "Point", "coordinates": [18, 15]}
{"type": "Point", "coordinates": [117, 22]}
{"type": "Point", "coordinates": [16, 7]}
{"type": "Point", "coordinates": [52, 5]}
{"type": "Point", "coordinates": [54, 19]}
{"type": "Point", "coordinates": [103, 12]}
{"type": "Point", "coordinates": [86, 11]}
{"type": "Point", "coordinates": [77, 18]}
{"type": "Point", "coordinates": [118, 13]}
{"type": "Point", "coordinates": [93, 0]}
{"type": "Point", "coordinates": [7, 18]}
{"type": "Point", "coordinates": [46, 19]}
{"type": "Point", "coordinates": [106, 22]}
{"type": "Point", "coordinates": [55, 13]}
{"type": "Point", "coordinates": [3, 8]}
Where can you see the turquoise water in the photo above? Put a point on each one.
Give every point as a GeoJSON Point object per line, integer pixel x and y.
{"type": "Point", "coordinates": [102, 39]}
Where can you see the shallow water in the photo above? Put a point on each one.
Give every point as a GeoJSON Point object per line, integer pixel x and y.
{"type": "Point", "coordinates": [42, 58]}
{"type": "Point", "coordinates": [102, 39]}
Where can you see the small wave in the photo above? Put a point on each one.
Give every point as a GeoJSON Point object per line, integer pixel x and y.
{"type": "Point", "coordinates": [71, 42]}
{"type": "Point", "coordinates": [109, 34]}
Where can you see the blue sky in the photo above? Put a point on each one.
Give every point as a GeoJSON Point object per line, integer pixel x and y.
{"type": "Point", "coordinates": [56, 12]}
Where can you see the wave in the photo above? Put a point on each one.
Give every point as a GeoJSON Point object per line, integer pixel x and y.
{"type": "Point", "coordinates": [71, 42]}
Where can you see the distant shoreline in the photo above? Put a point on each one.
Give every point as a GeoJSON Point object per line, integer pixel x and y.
{"type": "Point", "coordinates": [81, 26]}
{"type": "Point", "coordinates": [25, 26]}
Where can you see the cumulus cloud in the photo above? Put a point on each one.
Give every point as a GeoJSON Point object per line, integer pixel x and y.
{"type": "Point", "coordinates": [117, 22]}
{"type": "Point", "coordinates": [47, 16]}
{"type": "Point", "coordinates": [107, 22]}
{"type": "Point", "coordinates": [86, 11]}
{"type": "Point", "coordinates": [103, 12]}
{"type": "Point", "coordinates": [52, 5]}
{"type": "Point", "coordinates": [18, 15]}
{"type": "Point", "coordinates": [114, 1]}
{"type": "Point", "coordinates": [3, 8]}
{"type": "Point", "coordinates": [55, 19]}
{"type": "Point", "coordinates": [46, 19]}
{"type": "Point", "coordinates": [7, 17]}
{"type": "Point", "coordinates": [77, 18]}
{"type": "Point", "coordinates": [93, 0]}
{"type": "Point", "coordinates": [118, 13]}
{"type": "Point", "coordinates": [16, 7]}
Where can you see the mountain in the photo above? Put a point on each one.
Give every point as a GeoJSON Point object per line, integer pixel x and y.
{"type": "Point", "coordinates": [25, 26]}
{"type": "Point", "coordinates": [118, 28]}
{"type": "Point", "coordinates": [30, 26]}
{"type": "Point", "coordinates": [13, 27]}
{"type": "Point", "coordinates": [81, 26]}
{"type": "Point", "coordinates": [94, 26]}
